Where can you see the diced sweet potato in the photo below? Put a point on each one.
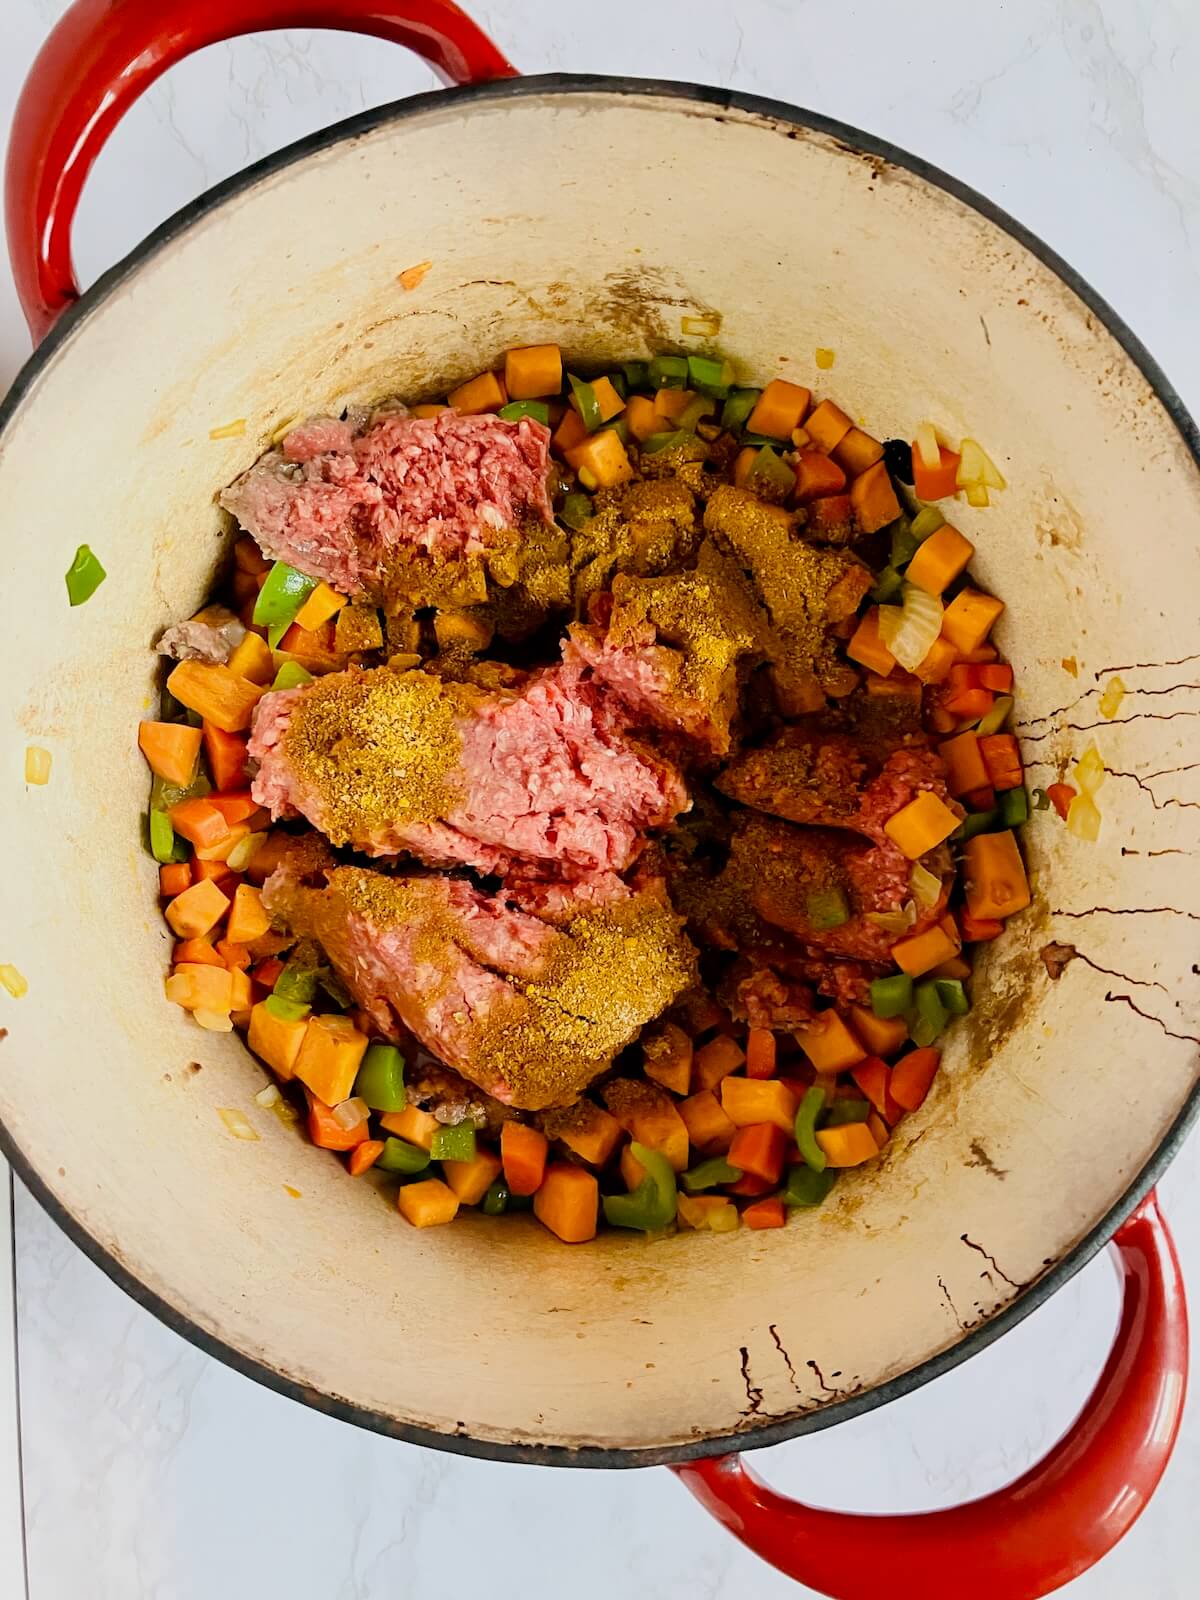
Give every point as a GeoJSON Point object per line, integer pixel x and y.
{"type": "Point", "coordinates": [276, 1040]}
{"type": "Point", "coordinates": [412, 1125]}
{"type": "Point", "coordinates": [471, 1180]}
{"type": "Point", "coordinates": [568, 1202]}
{"type": "Point", "coordinates": [329, 1057]}
{"type": "Point", "coordinates": [874, 499]}
{"type": "Point", "coordinates": [716, 1060]}
{"type": "Point", "coordinates": [427, 1203]}
{"type": "Point", "coordinates": [709, 1128]}
{"type": "Point", "coordinates": [747, 1101]}
{"type": "Point", "coordinates": [667, 1057]}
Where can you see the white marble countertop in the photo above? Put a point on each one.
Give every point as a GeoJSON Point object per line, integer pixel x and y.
{"type": "Point", "coordinates": [149, 1471]}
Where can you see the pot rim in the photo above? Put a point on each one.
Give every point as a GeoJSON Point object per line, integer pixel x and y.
{"type": "Point", "coordinates": [771, 1431]}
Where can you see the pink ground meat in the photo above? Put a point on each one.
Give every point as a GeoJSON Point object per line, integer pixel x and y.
{"type": "Point", "coordinates": [342, 507]}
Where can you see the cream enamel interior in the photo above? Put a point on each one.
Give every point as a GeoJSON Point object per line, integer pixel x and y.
{"type": "Point", "coordinates": [543, 215]}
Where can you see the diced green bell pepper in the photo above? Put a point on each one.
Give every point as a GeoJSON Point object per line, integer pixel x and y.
{"type": "Point", "coordinates": [516, 409]}
{"type": "Point", "coordinates": [668, 372]}
{"type": "Point", "coordinates": [844, 1111]}
{"type": "Point", "coordinates": [617, 379]}
{"type": "Point", "coordinates": [695, 412]}
{"type": "Point", "coordinates": [953, 996]}
{"type": "Point", "coordinates": [995, 719]}
{"type": "Point", "coordinates": [809, 1110]}
{"type": "Point", "coordinates": [164, 795]}
{"type": "Point", "coordinates": [976, 822]}
{"type": "Point", "coordinates": [665, 441]}
{"type": "Point", "coordinates": [770, 471]}
{"type": "Point", "coordinates": [380, 1080]}
{"type": "Point", "coordinates": [84, 576]}
{"type": "Point", "coordinates": [162, 837]}
{"type": "Point", "coordinates": [709, 1174]}
{"type": "Point", "coordinates": [495, 1201]}
{"type": "Point", "coordinates": [335, 988]}
{"type": "Point", "coordinates": [651, 1206]}
{"type": "Point", "coordinates": [281, 596]}
{"type": "Point", "coordinates": [587, 400]}
{"type": "Point", "coordinates": [455, 1143]}
{"type": "Point", "coordinates": [576, 509]}
{"type": "Point", "coordinates": [617, 425]}
{"type": "Point", "coordinates": [711, 375]}
{"type": "Point", "coordinates": [291, 675]}
{"type": "Point", "coordinates": [297, 982]}
{"type": "Point", "coordinates": [1014, 807]}
{"type": "Point", "coordinates": [287, 1010]}
{"type": "Point", "coordinates": [887, 586]}
{"type": "Point", "coordinates": [735, 413]}
{"type": "Point", "coordinates": [928, 1016]}
{"type": "Point", "coordinates": [904, 543]}
{"type": "Point", "coordinates": [400, 1156]}
{"type": "Point", "coordinates": [891, 997]}
{"type": "Point", "coordinates": [808, 1187]}
{"type": "Point", "coordinates": [637, 374]}
{"type": "Point", "coordinates": [928, 520]}
{"type": "Point", "coordinates": [827, 908]}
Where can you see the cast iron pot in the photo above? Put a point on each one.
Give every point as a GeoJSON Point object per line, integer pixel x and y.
{"type": "Point", "coordinates": [540, 203]}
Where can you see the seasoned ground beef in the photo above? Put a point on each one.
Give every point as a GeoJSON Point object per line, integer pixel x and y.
{"type": "Point", "coordinates": [344, 507]}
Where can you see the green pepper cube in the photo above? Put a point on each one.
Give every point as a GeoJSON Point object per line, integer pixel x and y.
{"type": "Point", "coordinates": [976, 822]}
{"type": "Point", "coordinates": [953, 996]}
{"type": "Point", "coordinates": [665, 441]}
{"type": "Point", "coordinates": [695, 412]}
{"type": "Point", "coordinates": [807, 1187]}
{"type": "Point", "coordinates": [576, 509]}
{"type": "Point", "coordinates": [291, 675]}
{"type": "Point", "coordinates": [669, 372]}
{"type": "Point", "coordinates": [844, 1111]}
{"type": "Point", "coordinates": [709, 1174]}
{"type": "Point", "coordinates": [588, 402]}
{"type": "Point", "coordinates": [887, 586]}
{"type": "Point", "coordinates": [495, 1201]}
{"type": "Point", "coordinates": [891, 997]}
{"type": "Point", "coordinates": [735, 413]}
{"type": "Point", "coordinates": [1014, 807]}
{"type": "Point", "coordinates": [637, 374]}
{"type": "Point", "coordinates": [928, 520]}
{"type": "Point", "coordinates": [455, 1143]}
{"type": "Point", "coordinates": [162, 837]}
{"type": "Point", "coordinates": [711, 375]}
{"type": "Point", "coordinates": [809, 1110]}
{"type": "Point", "coordinates": [400, 1156]}
{"type": "Point", "coordinates": [287, 1010]}
{"type": "Point", "coordinates": [770, 471]}
{"type": "Point", "coordinates": [297, 982]}
{"type": "Point", "coordinates": [84, 576]}
{"type": "Point", "coordinates": [652, 1205]}
{"type": "Point", "coordinates": [380, 1080]}
{"type": "Point", "coordinates": [928, 1016]}
{"type": "Point", "coordinates": [281, 596]}
{"type": "Point", "coordinates": [827, 908]}
{"type": "Point", "coordinates": [904, 543]}
{"type": "Point", "coordinates": [516, 409]}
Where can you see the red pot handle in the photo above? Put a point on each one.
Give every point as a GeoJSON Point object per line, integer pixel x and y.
{"type": "Point", "coordinates": [1026, 1540]}
{"type": "Point", "coordinates": [101, 56]}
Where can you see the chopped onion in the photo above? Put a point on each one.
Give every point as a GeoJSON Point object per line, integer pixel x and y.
{"type": "Point", "coordinates": [928, 520]}
{"type": "Point", "coordinates": [926, 886]}
{"type": "Point", "coordinates": [927, 446]}
{"type": "Point", "coordinates": [975, 466]}
{"type": "Point", "coordinates": [239, 857]}
{"type": "Point", "coordinates": [214, 1021]}
{"type": "Point", "coordinates": [285, 1111]}
{"type": "Point", "coordinates": [909, 630]}
{"type": "Point", "coordinates": [1083, 819]}
{"type": "Point", "coordinates": [894, 921]}
{"type": "Point", "coordinates": [236, 1123]}
{"type": "Point", "coordinates": [977, 496]}
{"type": "Point", "coordinates": [351, 1112]}
{"type": "Point", "coordinates": [1088, 772]}
{"type": "Point", "coordinates": [13, 980]}
{"type": "Point", "coordinates": [995, 719]}
{"type": "Point", "coordinates": [37, 764]}
{"type": "Point", "coordinates": [1110, 701]}
{"type": "Point", "coordinates": [267, 1097]}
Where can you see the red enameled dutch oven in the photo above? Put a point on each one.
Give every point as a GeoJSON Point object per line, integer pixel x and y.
{"type": "Point", "coordinates": [540, 204]}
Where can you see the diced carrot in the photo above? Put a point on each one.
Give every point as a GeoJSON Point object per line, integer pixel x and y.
{"type": "Point", "coordinates": [1060, 796]}
{"type": "Point", "coordinates": [235, 956]}
{"type": "Point", "coordinates": [941, 720]}
{"type": "Point", "coordinates": [314, 648]}
{"type": "Point", "coordinates": [848, 1146]}
{"type": "Point", "coordinates": [923, 952]}
{"type": "Point", "coordinates": [252, 659]}
{"type": "Point", "coordinates": [874, 499]}
{"type": "Point", "coordinates": [939, 559]}
{"type": "Point", "coordinates": [200, 952]}
{"type": "Point", "coordinates": [483, 393]}
{"type": "Point", "coordinates": [1002, 758]}
{"type": "Point", "coordinates": [716, 1060]}
{"type": "Point", "coordinates": [174, 878]}
{"type": "Point", "coordinates": [570, 432]}
{"type": "Point", "coordinates": [226, 754]}
{"type": "Point", "coordinates": [709, 1129]}
{"type": "Point", "coordinates": [267, 973]}
{"type": "Point", "coordinates": [977, 930]}
{"type": "Point", "coordinates": [994, 875]}
{"type": "Point", "coordinates": [363, 1157]}
{"type": "Point", "coordinates": [608, 400]}
{"type": "Point", "coordinates": [192, 913]}
{"type": "Point", "coordinates": [874, 1078]}
{"type": "Point", "coordinates": [827, 426]}
{"type": "Point", "coordinates": [631, 1169]}
{"type": "Point", "coordinates": [644, 418]}
{"type": "Point", "coordinates": [667, 1056]}
{"type": "Point", "coordinates": [760, 1053]}
{"type": "Point", "coordinates": [829, 1044]}
{"type": "Point", "coordinates": [412, 1125]}
{"type": "Point", "coordinates": [429, 1203]}
{"type": "Point", "coordinates": [816, 475]}
{"type": "Point", "coordinates": [248, 919]}
{"type": "Point", "coordinates": [935, 483]}
{"type": "Point", "coordinates": [765, 1213]}
{"type": "Point", "coordinates": [218, 695]}
{"type": "Point", "coordinates": [523, 1150]}
{"type": "Point", "coordinates": [742, 463]}
{"type": "Point", "coordinates": [198, 821]}
{"type": "Point", "coordinates": [968, 705]}
{"type": "Point", "coordinates": [214, 872]}
{"type": "Point", "coordinates": [880, 1131]}
{"type": "Point", "coordinates": [329, 1058]}
{"type": "Point", "coordinates": [322, 603]}
{"type": "Point", "coordinates": [236, 807]}
{"type": "Point", "coordinates": [883, 1036]}
{"type": "Point", "coordinates": [472, 1179]}
{"type": "Point", "coordinates": [921, 825]}
{"type": "Point", "coordinates": [568, 1202]}
{"type": "Point", "coordinates": [969, 618]}
{"type": "Point", "coordinates": [857, 451]}
{"type": "Point", "coordinates": [533, 371]}
{"type": "Point", "coordinates": [171, 749]}
{"type": "Point", "coordinates": [996, 676]}
{"type": "Point", "coordinates": [963, 762]}
{"type": "Point", "coordinates": [830, 512]}
{"type": "Point", "coordinates": [912, 1076]}
{"type": "Point", "coordinates": [603, 458]}
{"type": "Point", "coordinates": [938, 661]}
{"type": "Point", "coordinates": [198, 987]}
{"type": "Point", "coordinates": [779, 408]}
{"type": "Point", "coordinates": [867, 648]}
{"type": "Point", "coordinates": [751, 1184]}
{"type": "Point", "coordinates": [758, 1151]}
{"type": "Point", "coordinates": [592, 1133]}
{"type": "Point", "coordinates": [747, 1101]}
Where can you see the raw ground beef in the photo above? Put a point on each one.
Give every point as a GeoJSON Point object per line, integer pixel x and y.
{"type": "Point", "coordinates": [542, 778]}
{"type": "Point", "coordinates": [342, 506]}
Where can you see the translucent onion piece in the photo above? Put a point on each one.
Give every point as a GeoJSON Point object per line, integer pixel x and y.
{"type": "Point", "coordinates": [285, 1111]}
{"type": "Point", "coordinates": [1110, 701]}
{"type": "Point", "coordinates": [213, 1021]}
{"type": "Point", "coordinates": [1088, 772]}
{"type": "Point", "coordinates": [37, 763]}
{"type": "Point", "coordinates": [894, 921]}
{"type": "Point", "coordinates": [927, 446]}
{"type": "Point", "coordinates": [239, 857]}
{"type": "Point", "coordinates": [12, 980]}
{"type": "Point", "coordinates": [236, 1123]}
{"type": "Point", "coordinates": [350, 1113]}
{"type": "Point", "coordinates": [926, 886]}
{"type": "Point", "coordinates": [909, 630]}
{"type": "Point", "coordinates": [976, 466]}
{"type": "Point", "coordinates": [1083, 819]}
{"type": "Point", "coordinates": [267, 1097]}
{"type": "Point", "coordinates": [995, 719]}
{"type": "Point", "coordinates": [977, 496]}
